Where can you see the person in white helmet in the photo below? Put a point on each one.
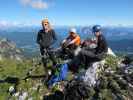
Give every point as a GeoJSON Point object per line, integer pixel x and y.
{"type": "Point", "coordinates": [73, 38]}
{"type": "Point", "coordinates": [71, 42]}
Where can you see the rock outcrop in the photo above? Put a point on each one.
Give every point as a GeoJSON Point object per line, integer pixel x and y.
{"type": "Point", "coordinates": [8, 49]}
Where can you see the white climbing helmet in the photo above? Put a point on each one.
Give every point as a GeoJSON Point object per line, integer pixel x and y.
{"type": "Point", "coordinates": [73, 30]}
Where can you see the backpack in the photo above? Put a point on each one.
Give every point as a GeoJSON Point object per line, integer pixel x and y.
{"type": "Point", "coordinates": [60, 74]}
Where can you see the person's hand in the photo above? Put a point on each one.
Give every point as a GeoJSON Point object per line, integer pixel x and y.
{"type": "Point", "coordinates": [63, 41]}
{"type": "Point", "coordinates": [70, 43]}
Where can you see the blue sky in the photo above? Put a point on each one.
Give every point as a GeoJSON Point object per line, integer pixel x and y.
{"type": "Point", "coordinates": [67, 12]}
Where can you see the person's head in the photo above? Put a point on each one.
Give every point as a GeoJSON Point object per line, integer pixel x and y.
{"type": "Point", "coordinates": [72, 32]}
{"type": "Point", "coordinates": [96, 29]}
{"type": "Point", "coordinates": [45, 24]}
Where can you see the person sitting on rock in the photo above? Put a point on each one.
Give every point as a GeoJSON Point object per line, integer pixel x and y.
{"type": "Point", "coordinates": [98, 52]}
{"type": "Point", "coordinates": [71, 42]}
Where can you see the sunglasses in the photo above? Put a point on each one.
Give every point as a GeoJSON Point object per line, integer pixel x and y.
{"type": "Point", "coordinates": [45, 24]}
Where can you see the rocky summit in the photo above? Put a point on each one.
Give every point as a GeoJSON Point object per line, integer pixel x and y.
{"type": "Point", "coordinates": [113, 81]}
{"type": "Point", "coordinates": [110, 79]}
{"type": "Point", "coordinates": [8, 49]}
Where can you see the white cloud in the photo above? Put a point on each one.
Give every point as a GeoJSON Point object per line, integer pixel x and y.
{"type": "Point", "coordinates": [25, 2]}
{"type": "Point", "coordinates": [37, 4]}
{"type": "Point", "coordinates": [7, 24]}
{"type": "Point", "coordinates": [3, 23]}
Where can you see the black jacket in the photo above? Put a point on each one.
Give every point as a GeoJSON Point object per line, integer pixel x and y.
{"type": "Point", "coordinates": [44, 39]}
{"type": "Point", "coordinates": [102, 46]}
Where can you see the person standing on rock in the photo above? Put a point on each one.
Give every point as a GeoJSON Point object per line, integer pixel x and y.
{"type": "Point", "coordinates": [45, 38]}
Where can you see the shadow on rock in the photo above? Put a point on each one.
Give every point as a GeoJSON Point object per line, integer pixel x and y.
{"type": "Point", "coordinates": [58, 95]}
{"type": "Point", "coordinates": [11, 80]}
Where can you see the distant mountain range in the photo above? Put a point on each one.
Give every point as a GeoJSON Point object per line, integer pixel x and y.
{"type": "Point", "coordinates": [119, 38]}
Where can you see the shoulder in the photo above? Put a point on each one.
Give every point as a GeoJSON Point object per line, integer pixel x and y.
{"type": "Point", "coordinates": [40, 31]}
{"type": "Point", "coordinates": [77, 36]}
{"type": "Point", "coordinates": [102, 37]}
{"type": "Point", "coordinates": [52, 30]}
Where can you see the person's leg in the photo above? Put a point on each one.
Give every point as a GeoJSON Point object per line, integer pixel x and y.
{"type": "Point", "coordinates": [87, 57]}
{"type": "Point", "coordinates": [43, 56]}
{"type": "Point", "coordinates": [88, 53]}
{"type": "Point", "coordinates": [81, 58]}
{"type": "Point", "coordinates": [52, 57]}
{"type": "Point", "coordinates": [74, 64]}
{"type": "Point", "coordinates": [44, 61]}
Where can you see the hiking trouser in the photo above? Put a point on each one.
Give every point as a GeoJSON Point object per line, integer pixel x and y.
{"type": "Point", "coordinates": [89, 56]}
{"type": "Point", "coordinates": [47, 55]}
{"type": "Point", "coordinates": [85, 57]}
{"type": "Point", "coordinates": [89, 53]}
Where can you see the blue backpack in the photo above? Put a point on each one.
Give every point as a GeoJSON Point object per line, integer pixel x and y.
{"type": "Point", "coordinates": [61, 75]}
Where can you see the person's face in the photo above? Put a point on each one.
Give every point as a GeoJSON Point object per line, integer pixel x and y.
{"type": "Point", "coordinates": [45, 25]}
{"type": "Point", "coordinates": [97, 34]}
{"type": "Point", "coordinates": [72, 34]}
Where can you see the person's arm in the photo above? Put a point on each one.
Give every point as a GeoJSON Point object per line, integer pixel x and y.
{"type": "Point", "coordinates": [38, 38]}
{"type": "Point", "coordinates": [54, 35]}
{"type": "Point", "coordinates": [64, 41]}
{"type": "Point", "coordinates": [75, 40]}
{"type": "Point", "coordinates": [105, 45]}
